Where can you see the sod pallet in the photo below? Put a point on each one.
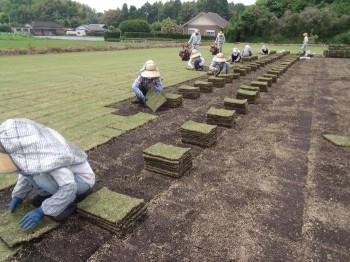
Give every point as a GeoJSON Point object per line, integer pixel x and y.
{"type": "Point", "coordinates": [251, 96]}
{"type": "Point", "coordinates": [200, 134]}
{"type": "Point", "coordinates": [112, 211]}
{"type": "Point", "coordinates": [262, 85]}
{"type": "Point", "coordinates": [172, 100]}
{"type": "Point", "coordinates": [217, 81]}
{"type": "Point", "coordinates": [204, 87]}
{"type": "Point", "coordinates": [221, 117]}
{"type": "Point", "coordinates": [239, 105]}
{"type": "Point", "coordinates": [168, 160]}
{"type": "Point", "coordinates": [155, 100]}
{"type": "Point", "coordinates": [265, 79]}
{"type": "Point", "coordinates": [11, 232]}
{"type": "Point", "coordinates": [189, 92]}
{"type": "Point", "coordinates": [273, 76]}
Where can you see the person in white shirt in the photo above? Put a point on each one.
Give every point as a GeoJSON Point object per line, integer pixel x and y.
{"type": "Point", "coordinates": [55, 168]}
{"type": "Point", "coordinates": [247, 51]}
{"type": "Point", "coordinates": [305, 43]}
{"type": "Point", "coordinates": [195, 39]}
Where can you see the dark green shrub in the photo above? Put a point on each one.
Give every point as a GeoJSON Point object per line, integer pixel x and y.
{"type": "Point", "coordinates": [136, 25]}
{"type": "Point", "coordinates": [111, 35]}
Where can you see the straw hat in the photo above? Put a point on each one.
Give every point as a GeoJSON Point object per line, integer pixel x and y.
{"type": "Point", "coordinates": [247, 46]}
{"type": "Point", "coordinates": [197, 31]}
{"type": "Point", "coordinates": [150, 71]}
{"type": "Point", "coordinates": [6, 164]}
{"type": "Point", "coordinates": [195, 53]}
{"type": "Point", "coordinates": [305, 34]}
{"type": "Point", "coordinates": [220, 58]}
{"type": "Point", "coordinates": [220, 33]}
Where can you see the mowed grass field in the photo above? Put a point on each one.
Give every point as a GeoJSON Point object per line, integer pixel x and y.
{"type": "Point", "coordinates": [70, 92]}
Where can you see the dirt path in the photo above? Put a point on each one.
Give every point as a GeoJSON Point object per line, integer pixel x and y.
{"type": "Point", "coordinates": [272, 189]}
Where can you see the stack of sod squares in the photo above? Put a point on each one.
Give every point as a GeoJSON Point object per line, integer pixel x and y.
{"type": "Point", "coordinates": [221, 117]}
{"type": "Point", "coordinates": [173, 100]}
{"type": "Point", "coordinates": [168, 160]}
{"type": "Point", "coordinates": [217, 81]}
{"type": "Point", "coordinates": [11, 232]}
{"type": "Point", "coordinates": [251, 96]}
{"type": "Point", "coordinates": [204, 87]}
{"type": "Point", "coordinates": [189, 92]}
{"type": "Point", "coordinates": [239, 105]}
{"type": "Point", "coordinates": [112, 211]}
{"type": "Point", "coordinates": [154, 99]}
{"type": "Point", "coordinates": [199, 133]}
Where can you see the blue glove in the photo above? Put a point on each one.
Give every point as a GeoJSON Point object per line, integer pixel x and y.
{"type": "Point", "coordinates": [158, 90]}
{"type": "Point", "coordinates": [32, 218]}
{"type": "Point", "coordinates": [14, 203]}
{"type": "Point", "coordinates": [144, 100]}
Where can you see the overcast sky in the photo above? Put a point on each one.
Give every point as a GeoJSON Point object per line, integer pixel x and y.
{"type": "Point", "coordinates": [102, 5]}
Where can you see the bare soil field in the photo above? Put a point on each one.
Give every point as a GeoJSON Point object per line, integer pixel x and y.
{"type": "Point", "coordinates": [272, 189]}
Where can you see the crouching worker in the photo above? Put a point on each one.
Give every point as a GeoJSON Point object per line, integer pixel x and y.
{"type": "Point", "coordinates": [147, 78]}
{"type": "Point", "coordinates": [265, 50]}
{"type": "Point", "coordinates": [196, 61]}
{"type": "Point", "coordinates": [57, 170]}
{"type": "Point", "coordinates": [219, 65]}
{"type": "Point", "coordinates": [235, 56]}
{"type": "Point", "coordinates": [247, 51]}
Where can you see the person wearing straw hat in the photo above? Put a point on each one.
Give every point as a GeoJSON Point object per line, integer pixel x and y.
{"type": "Point", "coordinates": [247, 51]}
{"type": "Point", "coordinates": [196, 61]}
{"type": "Point", "coordinates": [56, 169]}
{"type": "Point", "coordinates": [265, 50]}
{"type": "Point", "coordinates": [195, 39]}
{"type": "Point", "coordinates": [305, 43]}
{"type": "Point", "coordinates": [219, 65]}
{"type": "Point", "coordinates": [146, 79]}
{"type": "Point", "coordinates": [235, 56]}
{"type": "Point", "coordinates": [220, 41]}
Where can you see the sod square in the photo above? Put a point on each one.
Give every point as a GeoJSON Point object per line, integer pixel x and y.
{"type": "Point", "coordinates": [6, 252]}
{"type": "Point", "coordinates": [239, 105]}
{"type": "Point", "coordinates": [155, 100]}
{"type": "Point", "coordinates": [204, 87]}
{"type": "Point", "coordinates": [12, 233]}
{"type": "Point", "coordinates": [7, 181]}
{"type": "Point", "coordinates": [265, 79]}
{"type": "Point", "coordinates": [251, 96]}
{"type": "Point", "coordinates": [262, 85]}
{"type": "Point", "coordinates": [338, 140]}
{"type": "Point", "coordinates": [173, 100]}
{"type": "Point", "coordinates": [189, 92]}
{"type": "Point", "coordinates": [198, 133]}
{"type": "Point", "coordinates": [250, 88]}
{"type": "Point", "coordinates": [273, 76]}
{"type": "Point", "coordinates": [221, 117]}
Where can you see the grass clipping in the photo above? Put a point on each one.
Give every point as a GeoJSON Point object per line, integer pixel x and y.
{"type": "Point", "coordinates": [338, 140]}
{"type": "Point", "coordinates": [11, 232]}
{"type": "Point", "coordinates": [155, 100]}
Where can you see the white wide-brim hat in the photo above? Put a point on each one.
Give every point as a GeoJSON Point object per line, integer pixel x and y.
{"type": "Point", "coordinates": [220, 58]}
{"type": "Point", "coordinates": [150, 71]}
{"type": "Point", "coordinates": [195, 54]}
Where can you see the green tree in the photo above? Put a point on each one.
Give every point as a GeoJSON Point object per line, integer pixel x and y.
{"type": "Point", "coordinates": [136, 25]}
{"type": "Point", "coordinates": [217, 6]}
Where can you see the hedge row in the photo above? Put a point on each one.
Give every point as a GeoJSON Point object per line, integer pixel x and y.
{"type": "Point", "coordinates": [162, 35]}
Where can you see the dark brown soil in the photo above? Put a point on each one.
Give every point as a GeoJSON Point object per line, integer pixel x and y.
{"type": "Point", "coordinates": [272, 189]}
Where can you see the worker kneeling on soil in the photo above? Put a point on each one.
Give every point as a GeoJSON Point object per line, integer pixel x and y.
{"type": "Point", "coordinates": [247, 51]}
{"type": "Point", "coordinates": [146, 79]}
{"type": "Point", "coordinates": [57, 170]}
{"type": "Point", "coordinates": [265, 50]}
{"type": "Point", "coordinates": [219, 64]}
{"type": "Point", "coordinates": [235, 56]}
{"type": "Point", "coordinates": [196, 61]}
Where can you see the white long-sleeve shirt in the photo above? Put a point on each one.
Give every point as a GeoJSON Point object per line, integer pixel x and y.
{"type": "Point", "coordinates": [67, 187]}
{"type": "Point", "coordinates": [190, 62]}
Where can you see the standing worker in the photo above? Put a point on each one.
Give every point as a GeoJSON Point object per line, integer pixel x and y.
{"type": "Point", "coordinates": [220, 41]}
{"type": "Point", "coordinates": [305, 43]}
{"type": "Point", "coordinates": [195, 39]}
{"type": "Point", "coordinates": [147, 78]}
{"type": "Point", "coordinates": [56, 169]}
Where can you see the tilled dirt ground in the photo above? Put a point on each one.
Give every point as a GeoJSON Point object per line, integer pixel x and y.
{"type": "Point", "coordinates": [272, 189]}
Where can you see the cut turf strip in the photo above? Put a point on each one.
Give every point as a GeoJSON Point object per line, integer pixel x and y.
{"type": "Point", "coordinates": [168, 160]}
{"type": "Point", "coordinates": [338, 140]}
{"type": "Point", "coordinates": [7, 252]}
{"type": "Point", "coordinates": [11, 232]}
{"type": "Point", "coordinates": [112, 211]}
{"type": "Point", "coordinates": [239, 105]}
{"type": "Point", "coordinates": [7, 181]}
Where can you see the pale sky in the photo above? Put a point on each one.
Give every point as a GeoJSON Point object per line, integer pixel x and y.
{"type": "Point", "coordinates": [102, 5]}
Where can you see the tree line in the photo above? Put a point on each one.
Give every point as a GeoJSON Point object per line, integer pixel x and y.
{"type": "Point", "coordinates": [267, 19]}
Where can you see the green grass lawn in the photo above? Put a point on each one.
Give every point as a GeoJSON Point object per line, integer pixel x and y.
{"type": "Point", "coordinates": [69, 92]}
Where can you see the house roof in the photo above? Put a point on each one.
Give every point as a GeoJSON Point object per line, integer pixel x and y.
{"type": "Point", "coordinates": [45, 25]}
{"type": "Point", "coordinates": [217, 19]}
{"type": "Point", "coordinates": [93, 28]}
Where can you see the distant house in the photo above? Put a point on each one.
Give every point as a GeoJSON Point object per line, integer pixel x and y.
{"type": "Point", "coordinates": [208, 24]}
{"type": "Point", "coordinates": [40, 28]}
{"type": "Point", "coordinates": [92, 28]}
